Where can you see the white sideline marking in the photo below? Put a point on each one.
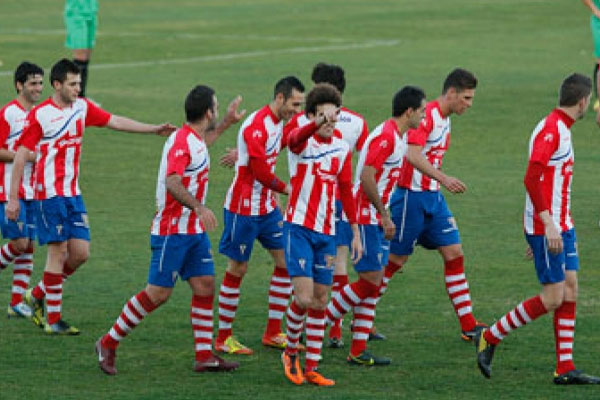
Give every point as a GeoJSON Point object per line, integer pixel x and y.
{"type": "Point", "coordinates": [232, 56]}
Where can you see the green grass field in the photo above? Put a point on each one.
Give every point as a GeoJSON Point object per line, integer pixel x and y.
{"type": "Point", "coordinates": [150, 53]}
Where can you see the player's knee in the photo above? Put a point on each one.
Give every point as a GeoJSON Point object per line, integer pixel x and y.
{"type": "Point", "coordinates": [21, 245]}
{"type": "Point", "coordinates": [304, 300]}
{"type": "Point", "coordinates": [237, 268]}
{"type": "Point", "coordinates": [78, 257]}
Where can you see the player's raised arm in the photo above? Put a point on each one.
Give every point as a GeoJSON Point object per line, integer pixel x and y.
{"type": "Point", "coordinates": [124, 124]}
{"type": "Point", "coordinates": [233, 116]}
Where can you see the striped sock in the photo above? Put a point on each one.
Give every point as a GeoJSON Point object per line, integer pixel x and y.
{"type": "Point", "coordinates": [388, 273]}
{"type": "Point", "coordinates": [348, 297]}
{"type": "Point", "coordinates": [133, 312]}
{"type": "Point", "coordinates": [39, 291]}
{"type": "Point", "coordinates": [53, 285]}
{"type": "Point", "coordinates": [21, 275]}
{"type": "Point", "coordinates": [523, 314]}
{"type": "Point", "coordinates": [564, 333]}
{"type": "Point", "coordinates": [458, 291]}
{"type": "Point", "coordinates": [339, 281]}
{"type": "Point", "coordinates": [229, 297]}
{"type": "Point", "coordinates": [67, 271]}
{"type": "Point", "coordinates": [202, 326]}
{"type": "Point", "coordinates": [280, 290]}
{"type": "Point", "coordinates": [315, 331]}
{"type": "Point", "coordinates": [7, 255]}
{"type": "Point", "coordinates": [294, 323]}
{"type": "Point", "coordinates": [364, 315]}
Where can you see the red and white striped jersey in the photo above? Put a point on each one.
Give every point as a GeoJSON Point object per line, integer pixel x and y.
{"type": "Point", "coordinates": [314, 175]}
{"type": "Point", "coordinates": [551, 145]}
{"type": "Point", "coordinates": [55, 134]}
{"type": "Point", "coordinates": [186, 155]}
{"type": "Point", "coordinates": [384, 150]}
{"type": "Point", "coordinates": [12, 120]}
{"type": "Point", "coordinates": [259, 136]}
{"type": "Point", "coordinates": [351, 125]}
{"type": "Point", "coordinates": [434, 135]}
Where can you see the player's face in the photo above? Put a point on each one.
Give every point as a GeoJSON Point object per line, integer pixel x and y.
{"type": "Point", "coordinates": [70, 88]}
{"type": "Point", "coordinates": [417, 115]}
{"type": "Point", "coordinates": [31, 90]}
{"type": "Point", "coordinates": [291, 106]}
{"type": "Point", "coordinates": [462, 100]}
{"type": "Point", "coordinates": [584, 105]}
{"type": "Point", "coordinates": [326, 130]}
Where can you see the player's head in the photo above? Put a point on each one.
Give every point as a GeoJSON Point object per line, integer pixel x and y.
{"type": "Point", "coordinates": [576, 91]}
{"type": "Point", "coordinates": [329, 73]}
{"type": "Point", "coordinates": [65, 78]}
{"type": "Point", "coordinates": [29, 81]}
{"type": "Point", "coordinates": [410, 103]}
{"type": "Point", "coordinates": [201, 104]}
{"type": "Point", "coordinates": [288, 97]}
{"type": "Point", "coordinates": [321, 98]}
{"type": "Point", "coordinates": [459, 90]}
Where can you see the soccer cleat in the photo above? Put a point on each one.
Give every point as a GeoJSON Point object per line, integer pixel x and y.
{"type": "Point", "coordinates": [576, 377]}
{"type": "Point", "coordinates": [374, 335]}
{"type": "Point", "coordinates": [368, 359]}
{"type": "Point", "coordinates": [485, 353]}
{"type": "Point", "coordinates": [20, 310]}
{"type": "Point", "coordinates": [232, 346]}
{"type": "Point", "coordinates": [37, 306]}
{"type": "Point", "coordinates": [467, 336]}
{"type": "Point", "coordinates": [278, 341]}
{"type": "Point", "coordinates": [106, 358]}
{"type": "Point", "coordinates": [317, 379]}
{"type": "Point", "coordinates": [291, 367]}
{"type": "Point", "coordinates": [61, 328]}
{"type": "Point", "coordinates": [335, 343]}
{"type": "Point", "coordinates": [215, 364]}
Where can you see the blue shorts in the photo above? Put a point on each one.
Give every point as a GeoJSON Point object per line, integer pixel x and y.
{"type": "Point", "coordinates": [376, 249]}
{"type": "Point", "coordinates": [343, 231]}
{"type": "Point", "coordinates": [59, 219]}
{"type": "Point", "coordinates": [550, 267]}
{"type": "Point", "coordinates": [423, 218]}
{"type": "Point", "coordinates": [24, 226]}
{"type": "Point", "coordinates": [240, 231]}
{"type": "Point", "coordinates": [309, 254]}
{"type": "Point", "coordinates": [186, 256]}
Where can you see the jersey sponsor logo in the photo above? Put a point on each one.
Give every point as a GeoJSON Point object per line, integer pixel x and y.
{"type": "Point", "coordinates": [344, 118]}
{"type": "Point", "coordinates": [53, 120]}
{"type": "Point", "coordinates": [69, 142]}
{"type": "Point", "coordinates": [383, 144]}
{"type": "Point", "coordinates": [548, 137]}
{"type": "Point", "coordinates": [179, 153]}
{"type": "Point", "coordinates": [257, 134]}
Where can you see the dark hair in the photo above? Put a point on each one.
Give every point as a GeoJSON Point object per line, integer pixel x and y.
{"type": "Point", "coordinates": [574, 88]}
{"type": "Point", "coordinates": [26, 70]}
{"type": "Point", "coordinates": [459, 79]}
{"type": "Point", "coordinates": [198, 101]}
{"type": "Point", "coordinates": [286, 85]}
{"type": "Point", "coordinates": [322, 93]}
{"type": "Point", "coordinates": [405, 98]}
{"type": "Point", "coordinates": [60, 70]}
{"type": "Point", "coordinates": [329, 73]}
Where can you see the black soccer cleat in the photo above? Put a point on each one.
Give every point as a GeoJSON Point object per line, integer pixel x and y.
{"type": "Point", "coordinates": [576, 377]}
{"type": "Point", "coordinates": [485, 353]}
{"type": "Point", "coordinates": [467, 336]}
{"type": "Point", "coordinates": [368, 359]}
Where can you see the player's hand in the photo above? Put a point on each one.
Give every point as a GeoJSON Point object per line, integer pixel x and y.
{"type": "Point", "coordinates": [229, 158]}
{"type": "Point", "coordinates": [389, 228]}
{"type": "Point", "coordinates": [164, 129]}
{"type": "Point", "coordinates": [356, 249]}
{"type": "Point", "coordinates": [529, 253]}
{"type": "Point", "coordinates": [555, 242]}
{"type": "Point", "coordinates": [234, 116]}
{"type": "Point", "coordinates": [12, 209]}
{"type": "Point", "coordinates": [454, 185]}
{"type": "Point", "coordinates": [278, 204]}
{"type": "Point", "coordinates": [328, 115]}
{"type": "Point", "coordinates": [206, 217]}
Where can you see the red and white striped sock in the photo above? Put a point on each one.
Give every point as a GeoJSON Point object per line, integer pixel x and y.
{"type": "Point", "coordinates": [564, 333]}
{"type": "Point", "coordinates": [523, 314]}
{"type": "Point", "coordinates": [294, 323]}
{"type": "Point", "coordinates": [7, 255]}
{"type": "Point", "coordinates": [458, 291]}
{"type": "Point", "coordinates": [133, 312]}
{"type": "Point", "coordinates": [202, 326]}
{"type": "Point", "coordinates": [364, 315]}
{"type": "Point", "coordinates": [229, 297]}
{"type": "Point", "coordinates": [280, 290]}
{"type": "Point", "coordinates": [315, 331]}
{"type": "Point", "coordinates": [67, 271]}
{"type": "Point", "coordinates": [53, 285]}
{"type": "Point", "coordinates": [389, 271]}
{"type": "Point", "coordinates": [39, 291]}
{"type": "Point", "coordinates": [348, 297]}
{"type": "Point", "coordinates": [22, 270]}
{"type": "Point", "coordinates": [339, 281]}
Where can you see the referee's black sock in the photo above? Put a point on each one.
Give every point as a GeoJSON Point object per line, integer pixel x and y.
{"type": "Point", "coordinates": [83, 67]}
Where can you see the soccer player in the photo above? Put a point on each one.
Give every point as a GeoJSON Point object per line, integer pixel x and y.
{"type": "Point", "coordinates": [54, 129]}
{"type": "Point", "coordinates": [179, 241]}
{"type": "Point", "coordinates": [376, 176]}
{"type": "Point", "coordinates": [29, 84]}
{"type": "Point", "coordinates": [550, 233]}
{"type": "Point", "coordinates": [320, 163]}
{"type": "Point", "coordinates": [252, 211]}
{"type": "Point", "coordinates": [419, 209]}
{"type": "Point", "coordinates": [81, 20]}
{"type": "Point", "coordinates": [353, 128]}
